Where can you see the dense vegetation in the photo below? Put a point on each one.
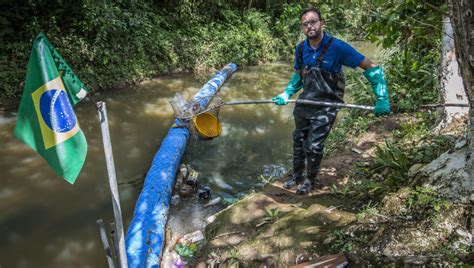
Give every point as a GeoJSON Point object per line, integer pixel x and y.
{"type": "Point", "coordinates": [109, 43]}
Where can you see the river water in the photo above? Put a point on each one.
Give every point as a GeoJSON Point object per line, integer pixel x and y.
{"type": "Point", "coordinates": [46, 222]}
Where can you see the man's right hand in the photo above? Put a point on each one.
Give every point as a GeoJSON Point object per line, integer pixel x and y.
{"type": "Point", "coordinates": [293, 86]}
{"type": "Point", "coordinates": [281, 99]}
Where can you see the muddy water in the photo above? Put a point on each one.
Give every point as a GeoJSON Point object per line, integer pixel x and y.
{"type": "Point", "coordinates": [255, 144]}
{"type": "Point", "coordinates": [46, 222]}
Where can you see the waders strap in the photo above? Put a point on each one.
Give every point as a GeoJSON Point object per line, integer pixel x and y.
{"type": "Point", "coordinates": [320, 58]}
{"type": "Point", "coordinates": [325, 49]}
{"type": "Point", "coordinates": [300, 54]}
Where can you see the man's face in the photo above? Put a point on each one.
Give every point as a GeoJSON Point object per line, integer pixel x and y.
{"type": "Point", "coordinates": [311, 25]}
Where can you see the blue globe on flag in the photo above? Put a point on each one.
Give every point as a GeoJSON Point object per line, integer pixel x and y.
{"type": "Point", "coordinates": [57, 111]}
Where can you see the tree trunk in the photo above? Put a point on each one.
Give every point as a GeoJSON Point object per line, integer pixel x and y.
{"type": "Point", "coordinates": [463, 21]}
{"type": "Point", "coordinates": [451, 83]}
{"type": "Point", "coordinates": [452, 173]}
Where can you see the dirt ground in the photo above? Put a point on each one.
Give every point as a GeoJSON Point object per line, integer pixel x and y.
{"type": "Point", "coordinates": [246, 235]}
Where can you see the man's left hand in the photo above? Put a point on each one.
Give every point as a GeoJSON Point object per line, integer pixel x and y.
{"type": "Point", "coordinates": [382, 107]}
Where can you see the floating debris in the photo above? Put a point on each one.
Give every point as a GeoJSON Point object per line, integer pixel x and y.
{"type": "Point", "coordinates": [194, 237]}
{"type": "Point", "coordinates": [211, 218]}
{"type": "Point", "coordinates": [336, 261]}
{"type": "Point", "coordinates": [186, 181]}
{"type": "Point", "coordinates": [193, 178]}
{"type": "Point", "coordinates": [186, 190]}
{"type": "Point", "coordinates": [175, 200]}
{"type": "Point", "coordinates": [204, 192]}
{"type": "Point", "coordinates": [213, 202]}
{"type": "Point", "coordinates": [275, 171]}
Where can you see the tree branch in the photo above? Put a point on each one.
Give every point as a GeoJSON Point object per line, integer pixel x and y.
{"type": "Point", "coordinates": [436, 8]}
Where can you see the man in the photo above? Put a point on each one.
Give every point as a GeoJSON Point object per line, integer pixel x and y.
{"type": "Point", "coordinates": [318, 69]}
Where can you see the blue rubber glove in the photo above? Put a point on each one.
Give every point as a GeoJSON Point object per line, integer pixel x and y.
{"type": "Point", "coordinates": [376, 78]}
{"type": "Point", "coordinates": [294, 85]}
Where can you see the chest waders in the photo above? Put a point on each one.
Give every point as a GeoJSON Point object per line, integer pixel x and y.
{"type": "Point", "coordinates": [313, 123]}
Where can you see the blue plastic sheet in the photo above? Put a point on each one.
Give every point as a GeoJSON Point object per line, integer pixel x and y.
{"type": "Point", "coordinates": [144, 239]}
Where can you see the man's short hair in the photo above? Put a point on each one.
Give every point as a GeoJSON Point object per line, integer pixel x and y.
{"type": "Point", "coordinates": [311, 9]}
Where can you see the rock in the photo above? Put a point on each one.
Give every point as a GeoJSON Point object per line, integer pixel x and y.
{"type": "Point", "coordinates": [229, 201]}
{"type": "Point", "coordinates": [395, 204]}
{"type": "Point", "coordinates": [460, 144]}
{"type": "Point", "coordinates": [415, 169]}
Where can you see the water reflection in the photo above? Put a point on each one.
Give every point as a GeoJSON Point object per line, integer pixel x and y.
{"type": "Point", "coordinates": [254, 140]}
{"type": "Point", "coordinates": [252, 136]}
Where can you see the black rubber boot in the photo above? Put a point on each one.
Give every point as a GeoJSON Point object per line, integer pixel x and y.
{"type": "Point", "coordinates": [297, 176]}
{"type": "Point", "coordinates": [314, 161]}
{"type": "Point", "coordinates": [306, 187]}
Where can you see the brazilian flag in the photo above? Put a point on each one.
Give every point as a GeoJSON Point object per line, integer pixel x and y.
{"type": "Point", "coordinates": [46, 120]}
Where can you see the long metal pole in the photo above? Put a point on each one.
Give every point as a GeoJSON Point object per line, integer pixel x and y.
{"type": "Point", "coordinates": [105, 243]}
{"type": "Point", "coordinates": [104, 125]}
{"type": "Point", "coordinates": [310, 102]}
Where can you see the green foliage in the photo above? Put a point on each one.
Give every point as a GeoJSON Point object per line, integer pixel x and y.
{"type": "Point", "coordinates": [452, 250]}
{"type": "Point", "coordinates": [273, 213]}
{"type": "Point", "coordinates": [342, 191]}
{"type": "Point", "coordinates": [186, 251]}
{"type": "Point", "coordinates": [287, 30]}
{"type": "Point", "coordinates": [414, 144]}
{"type": "Point", "coordinates": [422, 197]}
{"type": "Point", "coordinates": [426, 202]}
{"type": "Point", "coordinates": [413, 79]}
{"type": "Point", "coordinates": [411, 30]}
{"type": "Point", "coordinates": [341, 241]}
{"type": "Point", "coordinates": [393, 158]}
{"type": "Point", "coordinates": [367, 211]}
{"type": "Point", "coordinates": [108, 43]}
{"type": "Point", "coordinates": [408, 23]}
{"type": "Point", "coordinates": [233, 258]}
{"type": "Point", "coordinates": [266, 179]}
{"type": "Point", "coordinates": [343, 18]}
{"type": "Point", "coordinates": [13, 63]}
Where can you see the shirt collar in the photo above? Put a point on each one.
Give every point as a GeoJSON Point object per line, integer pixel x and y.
{"type": "Point", "coordinates": [326, 38]}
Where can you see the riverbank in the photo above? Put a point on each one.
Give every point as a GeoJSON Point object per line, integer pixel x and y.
{"type": "Point", "coordinates": [9, 105]}
{"type": "Point", "coordinates": [405, 225]}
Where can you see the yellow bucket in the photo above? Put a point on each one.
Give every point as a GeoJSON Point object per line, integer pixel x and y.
{"type": "Point", "coordinates": [207, 125]}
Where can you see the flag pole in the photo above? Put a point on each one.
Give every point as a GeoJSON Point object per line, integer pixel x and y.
{"type": "Point", "coordinates": [105, 243]}
{"type": "Point", "coordinates": [104, 125]}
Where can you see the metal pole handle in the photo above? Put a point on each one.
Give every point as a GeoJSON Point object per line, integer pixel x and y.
{"type": "Point", "coordinates": [309, 102]}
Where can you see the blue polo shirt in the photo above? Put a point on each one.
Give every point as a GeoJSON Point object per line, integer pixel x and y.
{"type": "Point", "coordinates": [339, 53]}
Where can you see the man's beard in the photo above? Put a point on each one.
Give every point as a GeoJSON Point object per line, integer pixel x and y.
{"type": "Point", "coordinates": [316, 34]}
